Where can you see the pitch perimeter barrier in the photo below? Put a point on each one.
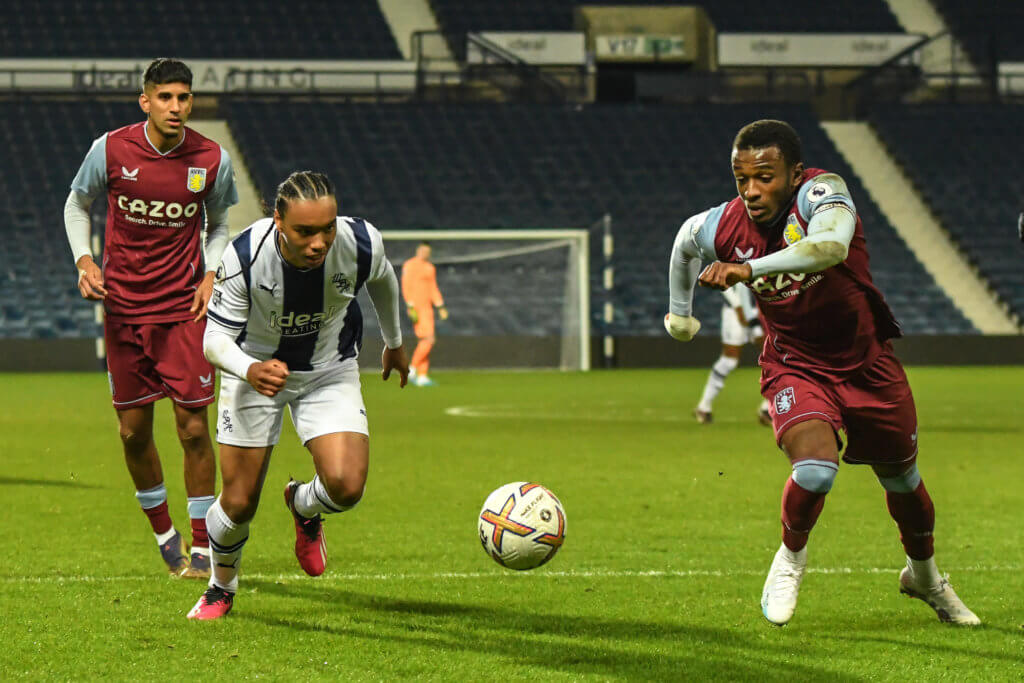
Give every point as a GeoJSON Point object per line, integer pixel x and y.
{"type": "Point", "coordinates": [456, 352]}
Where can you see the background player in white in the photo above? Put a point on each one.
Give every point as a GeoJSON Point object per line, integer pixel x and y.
{"type": "Point", "coordinates": [741, 324]}
{"type": "Point", "coordinates": [285, 327]}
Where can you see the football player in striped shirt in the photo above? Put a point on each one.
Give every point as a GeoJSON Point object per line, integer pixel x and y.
{"type": "Point", "coordinates": [285, 328]}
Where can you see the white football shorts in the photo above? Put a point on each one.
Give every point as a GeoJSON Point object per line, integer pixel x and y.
{"type": "Point", "coordinates": [734, 333]}
{"type": "Point", "coordinates": [322, 402]}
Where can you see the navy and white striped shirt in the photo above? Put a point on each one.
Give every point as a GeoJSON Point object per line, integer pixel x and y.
{"type": "Point", "coordinates": [307, 318]}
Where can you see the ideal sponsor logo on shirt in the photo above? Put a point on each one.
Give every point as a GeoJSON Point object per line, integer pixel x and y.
{"type": "Point", "coordinates": [291, 324]}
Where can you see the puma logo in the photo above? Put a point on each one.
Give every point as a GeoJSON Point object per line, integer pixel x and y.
{"type": "Point", "coordinates": [272, 289]}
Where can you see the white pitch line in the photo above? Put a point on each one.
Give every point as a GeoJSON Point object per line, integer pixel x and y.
{"type": "Point", "coordinates": [642, 415]}
{"type": "Point", "coordinates": [581, 574]}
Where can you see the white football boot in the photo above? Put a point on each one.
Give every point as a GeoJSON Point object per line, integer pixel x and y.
{"type": "Point", "coordinates": [938, 593]}
{"type": "Point", "coordinates": [778, 601]}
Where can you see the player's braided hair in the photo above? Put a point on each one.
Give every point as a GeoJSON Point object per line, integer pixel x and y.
{"type": "Point", "coordinates": [302, 185]}
{"type": "Point", "coordinates": [771, 133]}
{"type": "Point", "coordinates": [165, 70]}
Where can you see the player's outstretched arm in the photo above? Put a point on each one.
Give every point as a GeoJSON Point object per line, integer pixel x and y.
{"type": "Point", "coordinates": [682, 276]}
{"type": "Point", "coordinates": [825, 202]}
{"type": "Point", "coordinates": [827, 244]}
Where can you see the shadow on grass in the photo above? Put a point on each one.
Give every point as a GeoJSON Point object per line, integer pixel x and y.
{"type": "Point", "coordinates": [631, 648]}
{"type": "Point", "coordinates": [18, 481]}
{"type": "Point", "coordinates": [942, 648]}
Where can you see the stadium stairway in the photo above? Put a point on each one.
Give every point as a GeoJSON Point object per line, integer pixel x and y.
{"type": "Point", "coordinates": [907, 212]}
{"type": "Point", "coordinates": [920, 16]}
{"type": "Point", "coordinates": [405, 17]}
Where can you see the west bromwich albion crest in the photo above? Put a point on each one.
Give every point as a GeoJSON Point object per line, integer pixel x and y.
{"type": "Point", "coordinates": [196, 180]}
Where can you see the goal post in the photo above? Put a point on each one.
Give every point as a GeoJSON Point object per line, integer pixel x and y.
{"type": "Point", "coordinates": [525, 293]}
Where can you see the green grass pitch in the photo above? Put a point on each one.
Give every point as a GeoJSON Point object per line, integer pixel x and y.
{"type": "Point", "coordinates": [671, 528]}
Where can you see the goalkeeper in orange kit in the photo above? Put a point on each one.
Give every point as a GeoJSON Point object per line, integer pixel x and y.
{"type": "Point", "coordinates": [419, 287]}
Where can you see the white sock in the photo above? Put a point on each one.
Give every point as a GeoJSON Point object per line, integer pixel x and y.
{"type": "Point", "coordinates": [165, 536]}
{"type": "Point", "coordinates": [925, 571]}
{"type": "Point", "coordinates": [764, 405]}
{"type": "Point", "coordinates": [794, 556]}
{"type": "Point", "coordinates": [716, 380]}
{"type": "Point", "coordinates": [312, 499]}
{"type": "Point", "coordinates": [226, 542]}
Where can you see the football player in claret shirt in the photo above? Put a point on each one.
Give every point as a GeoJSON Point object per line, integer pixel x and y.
{"type": "Point", "coordinates": [285, 327]}
{"type": "Point", "coordinates": [794, 238]}
{"type": "Point", "coordinates": [161, 179]}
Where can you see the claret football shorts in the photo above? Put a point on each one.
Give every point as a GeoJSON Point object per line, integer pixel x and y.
{"type": "Point", "coordinates": [322, 401]}
{"type": "Point", "coordinates": [875, 409]}
{"type": "Point", "coordinates": [148, 361]}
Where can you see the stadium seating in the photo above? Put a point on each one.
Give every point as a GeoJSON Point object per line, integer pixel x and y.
{"type": "Point", "coordinates": [240, 29]}
{"type": "Point", "coordinates": [37, 276]}
{"type": "Point", "coordinates": [948, 151]}
{"type": "Point", "coordinates": [458, 17]}
{"type": "Point", "coordinates": [986, 29]}
{"type": "Point", "coordinates": [482, 166]}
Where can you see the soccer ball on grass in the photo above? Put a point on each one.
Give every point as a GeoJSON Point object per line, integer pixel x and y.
{"type": "Point", "coordinates": [522, 525]}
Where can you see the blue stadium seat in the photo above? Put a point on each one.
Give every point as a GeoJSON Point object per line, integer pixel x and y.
{"type": "Point", "coordinates": [228, 29]}
{"type": "Point", "coordinates": [987, 30]}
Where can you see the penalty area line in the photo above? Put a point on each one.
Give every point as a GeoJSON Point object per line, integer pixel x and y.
{"type": "Point", "coordinates": [499, 574]}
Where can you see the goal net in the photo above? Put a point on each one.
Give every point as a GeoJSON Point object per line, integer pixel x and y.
{"type": "Point", "coordinates": [516, 298]}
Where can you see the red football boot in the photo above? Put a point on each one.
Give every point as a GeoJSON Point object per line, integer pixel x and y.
{"type": "Point", "coordinates": [214, 604]}
{"type": "Point", "coordinates": [310, 546]}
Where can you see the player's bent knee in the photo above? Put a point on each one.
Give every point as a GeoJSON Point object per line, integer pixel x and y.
{"type": "Point", "coordinates": [239, 508]}
{"type": "Point", "coordinates": [816, 476]}
{"type": "Point", "coordinates": [811, 440]}
{"type": "Point", "coordinates": [346, 491]}
{"type": "Point", "coordinates": [907, 482]}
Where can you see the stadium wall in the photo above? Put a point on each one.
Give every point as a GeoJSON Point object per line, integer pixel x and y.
{"type": "Point", "coordinates": [57, 355]}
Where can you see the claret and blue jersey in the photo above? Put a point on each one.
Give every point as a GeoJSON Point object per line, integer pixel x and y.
{"type": "Point", "coordinates": [830, 322]}
{"type": "Point", "coordinates": [152, 259]}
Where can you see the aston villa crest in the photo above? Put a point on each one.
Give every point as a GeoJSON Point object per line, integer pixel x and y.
{"type": "Point", "coordinates": [196, 180]}
{"type": "Point", "coordinates": [784, 400]}
{"type": "Point", "coordinates": [793, 233]}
